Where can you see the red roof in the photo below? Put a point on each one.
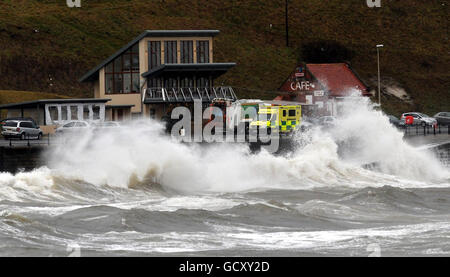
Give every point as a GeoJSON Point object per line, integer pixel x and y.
{"type": "Point", "coordinates": [338, 78]}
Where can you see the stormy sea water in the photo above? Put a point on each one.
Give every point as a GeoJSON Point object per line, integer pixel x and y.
{"type": "Point", "coordinates": [134, 192]}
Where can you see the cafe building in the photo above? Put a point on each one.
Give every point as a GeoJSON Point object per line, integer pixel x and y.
{"type": "Point", "coordinates": [322, 87]}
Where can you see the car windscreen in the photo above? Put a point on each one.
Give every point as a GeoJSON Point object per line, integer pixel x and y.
{"type": "Point", "coordinates": [68, 125]}
{"type": "Point", "coordinates": [422, 115]}
{"type": "Point", "coordinates": [10, 124]}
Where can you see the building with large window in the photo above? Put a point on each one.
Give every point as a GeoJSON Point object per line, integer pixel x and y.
{"type": "Point", "coordinates": [157, 71]}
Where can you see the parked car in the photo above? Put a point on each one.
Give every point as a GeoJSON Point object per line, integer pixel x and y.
{"type": "Point", "coordinates": [395, 121]}
{"type": "Point", "coordinates": [107, 125]}
{"type": "Point", "coordinates": [419, 119]}
{"type": "Point", "coordinates": [73, 126]}
{"type": "Point", "coordinates": [2, 122]}
{"type": "Point", "coordinates": [306, 125]}
{"type": "Point", "coordinates": [327, 121]}
{"type": "Point", "coordinates": [22, 129]}
{"type": "Point", "coordinates": [443, 118]}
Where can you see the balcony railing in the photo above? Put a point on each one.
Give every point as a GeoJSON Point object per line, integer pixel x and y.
{"type": "Point", "coordinates": [174, 95]}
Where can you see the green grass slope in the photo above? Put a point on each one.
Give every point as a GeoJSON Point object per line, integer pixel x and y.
{"type": "Point", "coordinates": [46, 46]}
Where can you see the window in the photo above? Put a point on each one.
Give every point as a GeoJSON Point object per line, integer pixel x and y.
{"type": "Point", "coordinates": [74, 112]}
{"type": "Point", "coordinates": [64, 113]}
{"type": "Point", "coordinates": [26, 125]}
{"type": "Point", "coordinates": [202, 82]}
{"type": "Point", "coordinates": [152, 113]}
{"type": "Point", "coordinates": [68, 125]}
{"type": "Point", "coordinates": [154, 54]}
{"type": "Point", "coordinates": [96, 110]}
{"type": "Point", "coordinates": [187, 51]}
{"type": "Point", "coordinates": [122, 74]}
{"type": "Point", "coordinates": [187, 82]}
{"type": "Point", "coordinates": [170, 52]}
{"type": "Point", "coordinates": [202, 51]}
{"type": "Point", "coordinates": [155, 83]}
{"type": "Point", "coordinates": [53, 111]}
{"type": "Point", "coordinates": [170, 83]}
{"type": "Point", "coordinates": [11, 124]}
{"type": "Point", "coordinates": [86, 112]}
{"type": "Point", "coordinates": [291, 112]}
{"type": "Point", "coordinates": [127, 82]}
{"type": "Point", "coordinates": [109, 83]}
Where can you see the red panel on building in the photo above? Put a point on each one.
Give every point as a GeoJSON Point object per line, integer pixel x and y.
{"type": "Point", "coordinates": [319, 85]}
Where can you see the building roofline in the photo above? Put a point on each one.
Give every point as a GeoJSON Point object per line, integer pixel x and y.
{"type": "Point", "coordinates": [364, 92]}
{"type": "Point", "coordinates": [51, 101]}
{"type": "Point", "coordinates": [89, 76]}
{"type": "Point", "coordinates": [119, 106]}
{"type": "Point", "coordinates": [190, 67]}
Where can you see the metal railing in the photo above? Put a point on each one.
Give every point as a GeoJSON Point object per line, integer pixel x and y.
{"type": "Point", "coordinates": [415, 130]}
{"type": "Point", "coordinates": [158, 95]}
{"type": "Point", "coordinates": [29, 141]}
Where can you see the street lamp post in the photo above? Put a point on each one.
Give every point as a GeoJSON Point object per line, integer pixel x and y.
{"type": "Point", "coordinates": [287, 23]}
{"type": "Point", "coordinates": [379, 80]}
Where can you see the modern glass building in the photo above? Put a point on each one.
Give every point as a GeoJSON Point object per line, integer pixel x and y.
{"type": "Point", "coordinates": [158, 70]}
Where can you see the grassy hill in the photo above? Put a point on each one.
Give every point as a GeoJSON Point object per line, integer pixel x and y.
{"type": "Point", "coordinates": [47, 46]}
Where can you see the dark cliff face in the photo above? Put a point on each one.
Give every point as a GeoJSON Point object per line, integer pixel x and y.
{"type": "Point", "coordinates": [46, 46]}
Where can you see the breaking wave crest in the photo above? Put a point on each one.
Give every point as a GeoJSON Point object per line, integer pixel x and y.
{"type": "Point", "coordinates": [139, 156]}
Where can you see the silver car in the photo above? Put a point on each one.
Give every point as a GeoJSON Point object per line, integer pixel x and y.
{"type": "Point", "coordinates": [21, 129]}
{"type": "Point", "coordinates": [419, 119]}
{"type": "Point", "coordinates": [327, 121]}
{"type": "Point", "coordinates": [443, 118]}
{"type": "Point", "coordinates": [73, 126]}
{"type": "Point", "coordinates": [107, 125]}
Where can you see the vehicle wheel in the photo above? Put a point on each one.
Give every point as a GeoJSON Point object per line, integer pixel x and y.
{"type": "Point", "coordinates": [39, 136]}
{"type": "Point", "coordinates": [22, 136]}
{"type": "Point", "coordinates": [423, 124]}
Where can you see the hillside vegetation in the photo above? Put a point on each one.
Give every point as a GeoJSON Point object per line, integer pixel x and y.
{"type": "Point", "coordinates": [46, 46]}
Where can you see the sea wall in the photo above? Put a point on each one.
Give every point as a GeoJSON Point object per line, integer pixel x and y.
{"type": "Point", "coordinates": [15, 159]}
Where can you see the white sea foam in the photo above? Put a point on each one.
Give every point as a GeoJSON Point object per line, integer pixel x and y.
{"type": "Point", "coordinates": [139, 154]}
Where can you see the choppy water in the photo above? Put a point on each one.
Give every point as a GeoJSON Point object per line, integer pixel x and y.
{"type": "Point", "coordinates": [134, 192]}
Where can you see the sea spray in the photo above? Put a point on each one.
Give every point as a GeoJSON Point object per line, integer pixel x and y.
{"type": "Point", "coordinates": [140, 154]}
{"type": "Point", "coordinates": [370, 138]}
